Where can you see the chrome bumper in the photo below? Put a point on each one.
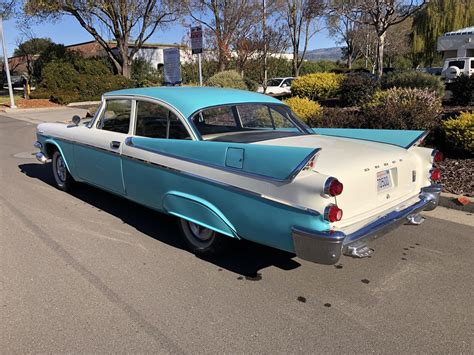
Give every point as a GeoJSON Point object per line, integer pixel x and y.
{"type": "Point", "coordinates": [40, 156]}
{"type": "Point", "coordinates": [328, 246]}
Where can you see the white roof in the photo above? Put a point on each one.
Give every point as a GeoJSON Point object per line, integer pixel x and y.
{"type": "Point", "coordinates": [462, 31]}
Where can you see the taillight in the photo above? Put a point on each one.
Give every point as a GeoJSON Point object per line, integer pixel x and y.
{"type": "Point", "coordinates": [435, 174]}
{"type": "Point", "coordinates": [333, 187]}
{"type": "Point", "coordinates": [437, 156]}
{"type": "Point", "coordinates": [332, 213]}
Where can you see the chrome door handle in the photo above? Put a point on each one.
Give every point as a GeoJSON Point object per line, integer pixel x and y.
{"type": "Point", "coordinates": [114, 144]}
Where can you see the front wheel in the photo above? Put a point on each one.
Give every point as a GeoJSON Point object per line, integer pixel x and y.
{"type": "Point", "coordinates": [203, 241]}
{"type": "Point", "coordinates": [61, 175]}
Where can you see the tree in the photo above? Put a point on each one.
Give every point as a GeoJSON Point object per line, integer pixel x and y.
{"type": "Point", "coordinates": [30, 50]}
{"type": "Point", "coordinates": [224, 20]}
{"type": "Point", "coordinates": [299, 17]}
{"type": "Point", "coordinates": [381, 15]}
{"type": "Point", "coordinates": [346, 30]}
{"type": "Point", "coordinates": [130, 22]}
{"type": "Point", "coordinates": [438, 17]}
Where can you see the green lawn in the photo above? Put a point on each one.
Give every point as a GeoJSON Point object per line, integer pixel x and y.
{"type": "Point", "coordinates": [5, 98]}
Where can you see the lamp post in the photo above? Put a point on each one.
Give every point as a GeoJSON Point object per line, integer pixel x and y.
{"type": "Point", "coordinates": [264, 25]}
{"type": "Point", "coordinates": [6, 66]}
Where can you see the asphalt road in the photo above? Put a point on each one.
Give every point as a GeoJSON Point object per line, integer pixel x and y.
{"type": "Point", "coordinates": [89, 272]}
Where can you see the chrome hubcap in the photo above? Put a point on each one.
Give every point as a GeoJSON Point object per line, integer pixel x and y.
{"type": "Point", "coordinates": [61, 169]}
{"type": "Point", "coordinates": [200, 232]}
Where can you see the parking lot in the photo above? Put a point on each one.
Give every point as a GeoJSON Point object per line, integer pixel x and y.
{"type": "Point", "coordinates": [91, 272]}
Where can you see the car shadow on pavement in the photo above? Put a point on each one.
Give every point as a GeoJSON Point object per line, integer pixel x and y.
{"type": "Point", "coordinates": [245, 258]}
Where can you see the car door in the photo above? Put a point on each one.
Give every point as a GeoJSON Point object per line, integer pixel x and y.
{"type": "Point", "coordinates": [145, 183]}
{"type": "Point", "coordinates": [97, 154]}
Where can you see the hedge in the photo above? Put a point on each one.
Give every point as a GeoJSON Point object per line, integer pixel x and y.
{"type": "Point", "coordinates": [317, 86]}
{"type": "Point", "coordinates": [460, 133]}
{"type": "Point", "coordinates": [413, 80]}
{"type": "Point", "coordinates": [304, 107]}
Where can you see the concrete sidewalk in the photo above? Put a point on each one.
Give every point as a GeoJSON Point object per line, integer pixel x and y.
{"type": "Point", "coordinates": [40, 115]}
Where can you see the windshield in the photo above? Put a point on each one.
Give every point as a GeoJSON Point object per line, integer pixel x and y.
{"type": "Point", "coordinates": [247, 123]}
{"type": "Point", "coordinates": [274, 82]}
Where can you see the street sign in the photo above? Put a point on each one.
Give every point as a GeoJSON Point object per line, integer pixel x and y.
{"type": "Point", "coordinates": [172, 66]}
{"type": "Point", "coordinates": [196, 39]}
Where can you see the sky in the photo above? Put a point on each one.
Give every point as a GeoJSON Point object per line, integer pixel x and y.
{"type": "Point", "coordinates": [68, 31]}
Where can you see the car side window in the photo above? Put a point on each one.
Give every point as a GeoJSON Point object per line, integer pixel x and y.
{"type": "Point", "coordinates": [156, 121]}
{"type": "Point", "coordinates": [116, 116]}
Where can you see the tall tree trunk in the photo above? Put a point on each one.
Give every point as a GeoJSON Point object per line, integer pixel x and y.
{"type": "Point", "coordinates": [126, 64]}
{"type": "Point", "coordinates": [380, 48]}
{"type": "Point", "coordinates": [296, 69]}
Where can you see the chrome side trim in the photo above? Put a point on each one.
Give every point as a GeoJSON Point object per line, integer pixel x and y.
{"type": "Point", "coordinates": [226, 185]}
{"type": "Point", "coordinates": [287, 180]}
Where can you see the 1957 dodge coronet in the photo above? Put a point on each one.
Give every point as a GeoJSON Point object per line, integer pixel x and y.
{"type": "Point", "coordinates": [237, 164]}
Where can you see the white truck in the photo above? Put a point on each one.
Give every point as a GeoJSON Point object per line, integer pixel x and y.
{"type": "Point", "coordinates": [454, 67]}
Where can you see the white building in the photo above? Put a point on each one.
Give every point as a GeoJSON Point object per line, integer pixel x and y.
{"type": "Point", "coordinates": [458, 43]}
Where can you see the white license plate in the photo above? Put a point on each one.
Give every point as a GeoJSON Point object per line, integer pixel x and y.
{"type": "Point", "coordinates": [384, 180]}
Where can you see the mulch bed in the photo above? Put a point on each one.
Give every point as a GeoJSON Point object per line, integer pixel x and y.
{"type": "Point", "coordinates": [33, 103]}
{"type": "Point", "coordinates": [458, 176]}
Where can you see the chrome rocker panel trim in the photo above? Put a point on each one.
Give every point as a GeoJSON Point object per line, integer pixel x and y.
{"type": "Point", "coordinates": [327, 247]}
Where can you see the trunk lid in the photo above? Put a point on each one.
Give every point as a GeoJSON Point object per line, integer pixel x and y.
{"type": "Point", "coordinates": [359, 165]}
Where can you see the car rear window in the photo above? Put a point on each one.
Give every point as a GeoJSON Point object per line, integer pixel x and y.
{"type": "Point", "coordinates": [457, 63]}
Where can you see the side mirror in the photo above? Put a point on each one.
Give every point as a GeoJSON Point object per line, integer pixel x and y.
{"type": "Point", "coordinates": [76, 120]}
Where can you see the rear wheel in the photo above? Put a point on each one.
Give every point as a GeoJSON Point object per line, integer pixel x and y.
{"type": "Point", "coordinates": [201, 240]}
{"type": "Point", "coordinates": [61, 175]}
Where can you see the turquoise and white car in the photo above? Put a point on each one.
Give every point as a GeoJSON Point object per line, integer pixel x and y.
{"type": "Point", "coordinates": [234, 164]}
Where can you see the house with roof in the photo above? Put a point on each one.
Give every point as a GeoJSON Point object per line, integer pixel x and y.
{"type": "Point", "coordinates": [459, 43]}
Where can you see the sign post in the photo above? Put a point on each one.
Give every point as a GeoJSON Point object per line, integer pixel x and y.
{"type": "Point", "coordinates": [6, 66]}
{"type": "Point", "coordinates": [172, 66]}
{"type": "Point", "coordinates": [196, 47]}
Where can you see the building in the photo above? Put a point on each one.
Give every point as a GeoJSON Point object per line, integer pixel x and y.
{"type": "Point", "coordinates": [458, 43]}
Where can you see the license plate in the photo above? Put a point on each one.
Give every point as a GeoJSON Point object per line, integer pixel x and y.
{"type": "Point", "coordinates": [384, 180]}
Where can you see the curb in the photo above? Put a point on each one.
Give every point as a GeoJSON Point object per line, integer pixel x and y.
{"type": "Point", "coordinates": [449, 200]}
{"type": "Point", "coordinates": [83, 103]}
{"type": "Point", "coordinates": [26, 110]}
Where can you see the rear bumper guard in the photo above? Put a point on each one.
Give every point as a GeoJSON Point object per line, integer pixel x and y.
{"type": "Point", "coordinates": [327, 247]}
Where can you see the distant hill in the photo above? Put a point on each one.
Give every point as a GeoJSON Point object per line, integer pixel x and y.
{"type": "Point", "coordinates": [333, 53]}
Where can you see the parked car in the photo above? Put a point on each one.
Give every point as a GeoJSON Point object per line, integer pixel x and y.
{"type": "Point", "coordinates": [234, 164]}
{"type": "Point", "coordinates": [454, 67]}
{"type": "Point", "coordinates": [277, 87]}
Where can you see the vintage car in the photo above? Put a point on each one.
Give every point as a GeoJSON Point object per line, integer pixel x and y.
{"type": "Point", "coordinates": [234, 164]}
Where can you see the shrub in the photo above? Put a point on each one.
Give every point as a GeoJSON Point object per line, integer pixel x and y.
{"type": "Point", "coordinates": [403, 109]}
{"type": "Point", "coordinates": [63, 84]}
{"type": "Point", "coordinates": [357, 89]}
{"type": "Point", "coordinates": [227, 79]}
{"type": "Point", "coordinates": [460, 133]}
{"type": "Point", "coordinates": [317, 86]}
{"type": "Point", "coordinates": [335, 117]}
{"type": "Point", "coordinates": [304, 107]}
{"type": "Point", "coordinates": [251, 84]}
{"type": "Point", "coordinates": [414, 80]}
{"type": "Point", "coordinates": [463, 90]}
{"type": "Point", "coordinates": [145, 74]}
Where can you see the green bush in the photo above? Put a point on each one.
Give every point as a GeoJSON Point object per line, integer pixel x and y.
{"type": "Point", "coordinates": [63, 84]}
{"type": "Point", "coordinates": [144, 74]}
{"type": "Point", "coordinates": [403, 109]}
{"type": "Point", "coordinates": [357, 89]}
{"type": "Point", "coordinates": [227, 79]}
{"type": "Point", "coordinates": [317, 86]}
{"type": "Point", "coordinates": [462, 89]}
{"type": "Point", "coordinates": [414, 80]}
{"type": "Point", "coordinates": [304, 107]}
{"type": "Point", "coordinates": [251, 84]}
{"type": "Point", "coordinates": [460, 133]}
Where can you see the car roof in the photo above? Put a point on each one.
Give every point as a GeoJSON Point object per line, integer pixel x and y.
{"type": "Point", "coordinates": [189, 99]}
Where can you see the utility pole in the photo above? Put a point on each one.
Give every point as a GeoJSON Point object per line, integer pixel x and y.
{"type": "Point", "coordinates": [6, 67]}
{"type": "Point", "coordinates": [264, 24]}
